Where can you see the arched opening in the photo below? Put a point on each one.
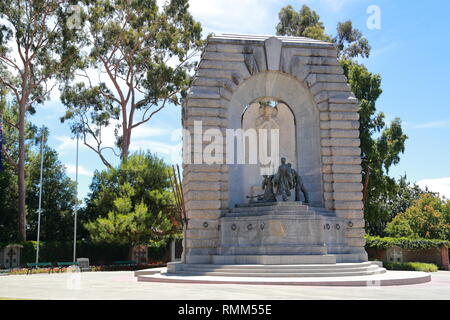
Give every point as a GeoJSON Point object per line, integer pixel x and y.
{"type": "Point", "coordinates": [274, 125]}
{"type": "Point", "coordinates": [300, 116]}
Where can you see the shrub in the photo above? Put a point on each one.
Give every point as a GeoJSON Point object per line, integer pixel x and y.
{"type": "Point", "coordinates": [98, 253]}
{"type": "Point", "coordinates": [128, 267]}
{"type": "Point", "coordinates": [101, 268]}
{"type": "Point", "coordinates": [23, 271]}
{"type": "Point", "coordinates": [411, 266]}
{"type": "Point", "coordinates": [50, 251]}
{"type": "Point", "coordinates": [404, 243]}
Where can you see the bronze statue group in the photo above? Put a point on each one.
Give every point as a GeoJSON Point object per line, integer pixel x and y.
{"type": "Point", "coordinates": [285, 180]}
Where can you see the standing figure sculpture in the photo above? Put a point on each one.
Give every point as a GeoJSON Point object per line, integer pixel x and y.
{"type": "Point", "coordinates": [284, 180]}
{"type": "Point", "coordinates": [267, 186]}
{"type": "Point", "coordinates": [299, 186]}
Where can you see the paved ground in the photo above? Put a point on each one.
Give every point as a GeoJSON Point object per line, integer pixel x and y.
{"type": "Point", "coordinates": [123, 285]}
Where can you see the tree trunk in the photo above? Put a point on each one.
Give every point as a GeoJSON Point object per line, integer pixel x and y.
{"type": "Point", "coordinates": [125, 143]}
{"type": "Point", "coordinates": [130, 252]}
{"type": "Point", "coordinates": [21, 174]}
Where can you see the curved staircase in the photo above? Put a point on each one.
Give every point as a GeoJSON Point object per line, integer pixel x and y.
{"type": "Point", "coordinates": [275, 271]}
{"type": "Point", "coordinates": [342, 274]}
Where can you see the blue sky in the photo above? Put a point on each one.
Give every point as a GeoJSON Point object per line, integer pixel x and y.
{"type": "Point", "coordinates": [410, 52]}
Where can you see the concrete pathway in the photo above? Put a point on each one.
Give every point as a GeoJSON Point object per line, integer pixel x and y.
{"type": "Point", "coordinates": [124, 286]}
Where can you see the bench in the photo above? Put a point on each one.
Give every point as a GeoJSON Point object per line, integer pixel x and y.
{"type": "Point", "coordinates": [31, 266]}
{"type": "Point", "coordinates": [62, 265]}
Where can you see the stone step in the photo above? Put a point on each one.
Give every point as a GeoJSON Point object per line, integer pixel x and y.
{"type": "Point", "coordinates": [340, 266]}
{"type": "Point", "coordinates": [382, 278]}
{"type": "Point", "coordinates": [265, 209]}
{"type": "Point", "coordinates": [277, 275]}
{"type": "Point", "coordinates": [273, 249]}
{"type": "Point", "coordinates": [275, 270]}
{"type": "Point", "coordinates": [280, 207]}
{"type": "Point", "coordinates": [147, 272]}
{"type": "Point", "coordinates": [259, 205]}
{"type": "Point", "coordinates": [349, 257]}
{"type": "Point", "coordinates": [289, 213]}
{"type": "Point", "coordinates": [273, 259]}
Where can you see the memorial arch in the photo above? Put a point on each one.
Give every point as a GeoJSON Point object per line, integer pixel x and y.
{"type": "Point", "coordinates": [304, 76]}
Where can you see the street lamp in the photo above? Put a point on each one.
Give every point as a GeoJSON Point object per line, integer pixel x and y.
{"type": "Point", "coordinates": [40, 196]}
{"type": "Point", "coordinates": [76, 209]}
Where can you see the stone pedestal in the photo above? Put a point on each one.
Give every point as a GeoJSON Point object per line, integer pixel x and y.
{"type": "Point", "coordinates": [283, 233]}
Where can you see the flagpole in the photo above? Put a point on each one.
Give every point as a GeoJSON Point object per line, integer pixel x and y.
{"type": "Point", "coordinates": [1, 142]}
{"type": "Point", "coordinates": [40, 196]}
{"type": "Point", "coordinates": [76, 211]}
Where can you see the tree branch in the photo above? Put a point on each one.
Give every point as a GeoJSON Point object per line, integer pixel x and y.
{"type": "Point", "coordinates": [10, 160]}
{"type": "Point", "coordinates": [105, 162]}
{"type": "Point", "coordinates": [11, 124]}
{"type": "Point", "coordinates": [150, 116]}
{"type": "Point", "coordinates": [11, 63]}
{"type": "Point", "coordinates": [14, 89]}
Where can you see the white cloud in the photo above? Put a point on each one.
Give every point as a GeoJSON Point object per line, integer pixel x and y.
{"type": "Point", "coordinates": [242, 16]}
{"type": "Point", "coordinates": [441, 185]}
{"type": "Point", "coordinates": [251, 16]}
{"type": "Point", "coordinates": [71, 169]}
{"type": "Point", "coordinates": [141, 139]}
{"type": "Point", "coordinates": [434, 125]}
{"type": "Point", "coordinates": [330, 5]}
{"type": "Point", "coordinates": [335, 5]}
{"type": "Point", "coordinates": [171, 152]}
{"type": "Point", "coordinates": [147, 132]}
{"type": "Point", "coordinates": [376, 52]}
{"type": "Point", "coordinates": [66, 143]}
{"type": "Point", "coordinates": [107, 136]}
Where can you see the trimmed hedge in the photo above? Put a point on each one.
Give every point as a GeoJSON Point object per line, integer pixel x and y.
{"type": "Point", "coordinates": [404, 243]}
{"type": "Point", "coordinates": [98, 253]}
{"type": "Point", "coordinates": [411, 266]}
{"type": "Point", "coordinates": [24, 271]}
{"type": "Point", "coordinates": [128, 267]}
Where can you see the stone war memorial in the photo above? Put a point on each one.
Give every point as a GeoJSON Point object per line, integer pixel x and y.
{"type": "Point", "coordinates": [272, 164]}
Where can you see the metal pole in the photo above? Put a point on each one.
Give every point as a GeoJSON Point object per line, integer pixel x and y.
{"type": "Point", "coordinates": [185, 219]}
{"type": "Point", "coordinates": [40, 196]}
{"type": "Point", "coordinates": [76, 211]}
{"type": "Point", "coordinates": [366, 184]}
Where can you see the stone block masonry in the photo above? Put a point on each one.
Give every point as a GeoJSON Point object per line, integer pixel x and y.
{"type": "Point", "coordinates": [306, 75]}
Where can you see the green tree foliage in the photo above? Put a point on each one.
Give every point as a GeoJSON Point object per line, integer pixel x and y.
{"type": "Point", "coordinates": [403, 196]}
{"type": "Point", "coordinates": [9, 195]}
{"type": "Point", "coordinates": [32, 53]}
{"type": "Point", "coordinates": [130, 225]}
{"type": "Point", "coordinates": [143, 54]}
{"type": "Point", "coordinates": [8, 205]}
{"type": "Point", "coordinates": [381, 144]}
{"type": "Point", "coordinates": [132, 203]}
{"type": "Point", "coordinates": [58, 196]}
{"type": "Point", "coordinates": [350, 41]}
{"type": "Point", "coordinates": [428, 218]}
{"type": "Point", "coordinates": [305, 23]}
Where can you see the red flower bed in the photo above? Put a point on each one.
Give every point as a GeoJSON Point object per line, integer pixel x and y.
{"type": "Point", "coordinates": [128, 267]}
